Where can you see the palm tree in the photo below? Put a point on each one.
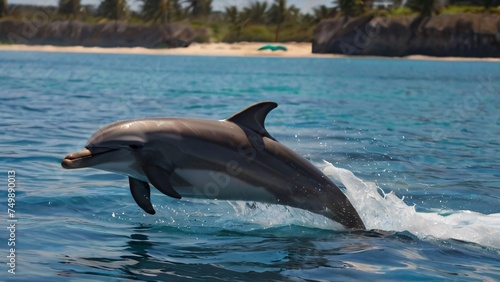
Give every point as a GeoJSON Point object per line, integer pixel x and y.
{"type": "Point", "coordinates": [156, 10]}
{"type": "Point", "coordinates": [198, 8]}
{"type": "Point", "coordinates": [176, 11]}
{"type": "Point", "coordinates": [161, 10]}
{"type": "Point", "coordinates": [425, 8]}
{"type": "Point", "coordinates": [3, 8]}
{"type": "Point", "coordinates": [233, 16]}
{"type": "Point", "coordinates": [293, 13]}
{"type": "Point", "coordinates": [322, 12]}
{"type": "Point", "coordinates": [256, 12]}
{"type": "Point", "coordinates": [278, 15]}
{"type": "Point", "coordinates": [113, 9]}
{"type": "Point", "coordinates": [350, 8]}
{"type": "Point", "coordinates": [69, 7]}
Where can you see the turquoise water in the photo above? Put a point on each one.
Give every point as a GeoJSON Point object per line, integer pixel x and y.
{"type": "Point", "coordinates": [415, 144]}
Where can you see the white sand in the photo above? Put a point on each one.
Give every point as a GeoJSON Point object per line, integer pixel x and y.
{"type": "Point", "coordinates": [204, 49]}
{"type": "Point", "coordinates": [216, 49]}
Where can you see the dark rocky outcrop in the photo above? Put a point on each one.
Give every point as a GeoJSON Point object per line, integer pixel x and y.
{"type": "Point", "coordinates": [109, 34]}
{"type": "Point", "coordinates": [463, 35]}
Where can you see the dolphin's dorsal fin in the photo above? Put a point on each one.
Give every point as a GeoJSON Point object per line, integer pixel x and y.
{"type": "Point", "coordinates": [254, 116]}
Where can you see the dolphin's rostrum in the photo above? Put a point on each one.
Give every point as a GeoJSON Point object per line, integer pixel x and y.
{"type": "Point", "coordinates": [232, 159]}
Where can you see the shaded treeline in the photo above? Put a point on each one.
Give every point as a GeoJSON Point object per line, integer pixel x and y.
{"type": "Point", "coordinates": [255, 21]}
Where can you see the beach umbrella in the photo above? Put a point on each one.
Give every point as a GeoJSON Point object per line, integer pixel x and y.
{"type": "Point", "coordinates": [272, 48]}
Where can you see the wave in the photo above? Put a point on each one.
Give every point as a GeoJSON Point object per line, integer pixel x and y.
{"type": "Point", "coordinates": [385, 211]}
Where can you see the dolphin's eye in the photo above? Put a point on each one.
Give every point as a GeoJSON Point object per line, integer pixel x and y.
{"type": "Point", "coordinates": [135, 146]}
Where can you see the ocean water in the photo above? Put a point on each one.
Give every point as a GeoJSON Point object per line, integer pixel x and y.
{"type": "Point", "coordinates": [414, 144]}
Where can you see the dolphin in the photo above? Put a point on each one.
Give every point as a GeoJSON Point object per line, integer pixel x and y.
{"type": "Point", "coordinates": [231, 159]}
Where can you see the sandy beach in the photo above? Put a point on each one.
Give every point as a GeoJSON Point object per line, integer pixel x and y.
{"type": "Point", "coordinates": [201, 49]}
{"type": "Point", "coordinates": [297, 50]}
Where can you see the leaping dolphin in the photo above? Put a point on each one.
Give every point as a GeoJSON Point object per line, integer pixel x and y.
{"type": "Point", "coordinates": [231, 159]}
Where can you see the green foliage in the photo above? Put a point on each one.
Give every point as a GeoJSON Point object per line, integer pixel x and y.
{"type": "Point", "coordinates": [397, 3]}
{"type": "Point", "coordinates": [113, 9]}
{"type": "Point", "coordinates": [259, 20]}
{"type": "Point", "coordinates": [351, 8]}
{"type": "Point", "coordinates": [468, 9]}
{"type": "Point", "coordinates": [237, 22]}
{"type": "Point", "coordinates": [199, 8]}
{"type": "Point", "coordinates": [69, 7]}
{"type": "Point", "coordinates": [401, 11]}
{"type": "Point", "coordinates": [424, 7]}
{"type": "Point", "coordinates": [323, 12]}
{"type": "Point", "coordinates": [449, 9]}
{"type": "Point", "coordinates": [278, 12]}
{"type": "Point", "coordinates": [232, 14]}
{"type": "Point", "coordinates": [155, 10]}
{"type": "Point", "coordinates": [265, 33]}
{"type": "Point", "coordinates": [256, 13]}
{"type": "Point", "coordinates": [218, 31]}
{"type": "Point", "coordinates": [297, 33]}
{"type": "Point", "coordinates": [259, 33]}
{"type": "Point", "coordinates": [161, 11]}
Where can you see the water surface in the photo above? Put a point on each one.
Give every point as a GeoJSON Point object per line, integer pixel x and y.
{"type": "Point", "coordinates": [427, 131]}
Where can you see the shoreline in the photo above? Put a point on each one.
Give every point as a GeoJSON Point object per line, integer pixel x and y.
{"type": "Point", "coordinates": [241, 49]}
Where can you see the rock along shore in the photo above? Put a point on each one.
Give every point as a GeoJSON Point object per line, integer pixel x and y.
{"type": "Point", "coordinates": [460, 35]}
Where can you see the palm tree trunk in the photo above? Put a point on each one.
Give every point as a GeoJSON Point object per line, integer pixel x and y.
{"type": "Point", "coordinates": [277, 33]}
{"type": "Point", "coordinates": [169, 19]}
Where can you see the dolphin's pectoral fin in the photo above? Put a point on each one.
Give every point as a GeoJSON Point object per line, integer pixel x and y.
{"type": "Point", "coordinates": [141, 194]}
{"type": "Point", "coordinates": [253, 117]}
{"type": "Point", "coordinates": [160, 178]}
{"type": "Point", "coordinates": [179, 181]}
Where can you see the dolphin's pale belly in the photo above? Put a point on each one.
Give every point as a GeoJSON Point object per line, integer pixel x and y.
{"type": "Point", "coordinates": [126, 168]}
{"type": "Point", "coordinates": [219, 185]}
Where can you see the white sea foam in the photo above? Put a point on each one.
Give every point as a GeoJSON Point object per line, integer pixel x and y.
{"type": "Point", "coordinates": [378, 210]}
{"type": "Point", "coordinates": [267, 215]}
{"type": "Point", "coordinates": [388, 212]}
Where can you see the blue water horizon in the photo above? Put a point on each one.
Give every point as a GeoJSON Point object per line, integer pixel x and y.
{"type": "Point", "coordinates": [420, 137]}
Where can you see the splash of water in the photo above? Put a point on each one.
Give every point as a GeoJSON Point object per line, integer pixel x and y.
{"type": "Point", "coordinates": [388, 212]}
{"type": "Point", "coordinates": [268, 215]}
{"type": "Point", "coordinates": [379, 211]}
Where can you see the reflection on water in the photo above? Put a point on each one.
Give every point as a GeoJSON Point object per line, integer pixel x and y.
{"type": "Point", "coordinates": [147, 254]}
{"type": "Point", "coordinates": [143, 258]}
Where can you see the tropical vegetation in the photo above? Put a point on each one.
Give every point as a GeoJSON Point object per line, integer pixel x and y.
{"type": "Point", "coordinates": [69, 7]}
{"type": "Point", "coordinates": [275, 20]}
{"type": "Point", "coordinates": [113, 9]}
